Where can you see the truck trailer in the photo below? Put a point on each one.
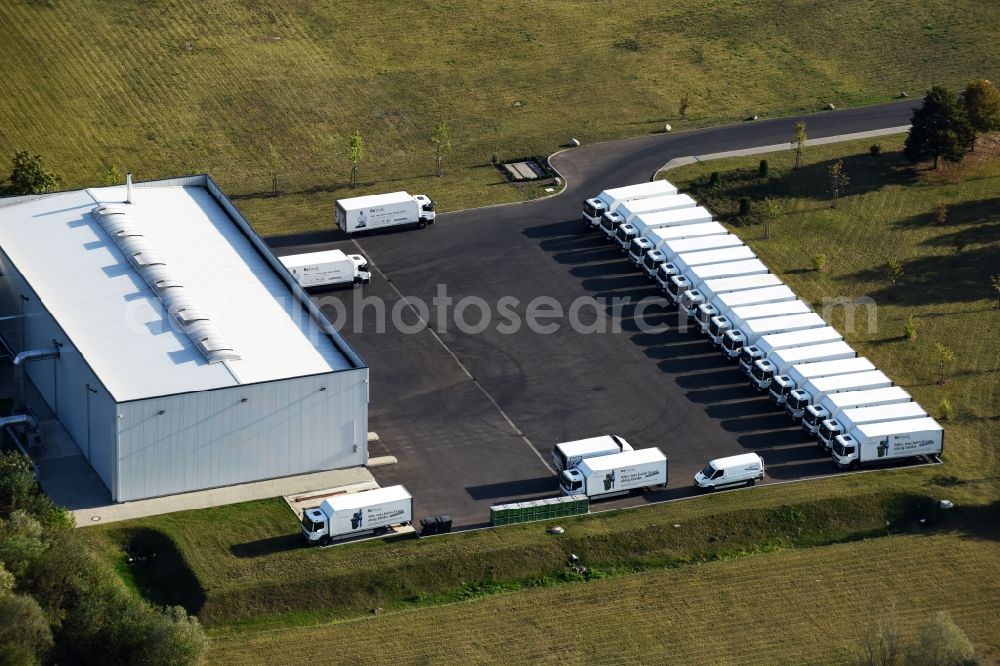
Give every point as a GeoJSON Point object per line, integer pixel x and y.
{"type": "Point", "coordinates": [678, 284]}
{"type": "Point", "coordinates": [734, 317]}
{"type": "Point", "coordinates": [327, 269]}
{"type": "Point", "coordinates": [609, 200]}
{"type": "Point", "coordinates": [814, 390]}
{"type": "Point", "coordinates": [780, 361]}
{"type": "Point", "coordinates": [616, 474]}
{"type": "Point", "coordinates": [661, 236]}
{"type": "Point", "coordinates": [694, 298]}
{"type": "Point", "coordinates": [797, 375]}
{"type": "Point", "coordinates": [568, 455]}
{"type": "Point", "coordinates": [849, 419]}
{"type": "Point", "coordinates": [382, 211]}
{"type": "Point", "coordinates": [890, 441]}
{"type": "Point", "coordinates": [355, 514]}
{"type": "Point", "coordinates": [628, 211]}
{"type": "Point", "coordinates": [831, 405]}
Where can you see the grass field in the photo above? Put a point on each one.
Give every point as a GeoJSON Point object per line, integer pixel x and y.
{"type": "Point", "coordinates": [167, 88]}
{"type": "Point", "coordinates": [807, 606]}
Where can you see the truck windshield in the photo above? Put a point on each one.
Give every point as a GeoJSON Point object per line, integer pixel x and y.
{"type": "Point", "coordinates": [607, 223]}
{"type": "Point", "coordinates": [780, 389]}
{"type": "Point", "coordinates": [591, 210]}
{"type": "Point", "coordinates": [309, 525]}
{"type": "Point", "coordinates": [635, 247]}
{"type": "Point", "coordinates": [708, 471]}
{"type": "Point", "coordinates": [649, 262]}
{"type": "Point", "coordinates": [842, 450]}
{"type": "Point", "coordinates": [795, 402]}
{"type": "Point", "coordinates": [809, 416]}
{"type": "Point", "coordinates": [761, 374]}
{"type": "Point", "coordinates": [713, 328]}
{"type": "Point", "coordinates": [746, 357]}
{"type": "Point", "coordinates": [826, 432]}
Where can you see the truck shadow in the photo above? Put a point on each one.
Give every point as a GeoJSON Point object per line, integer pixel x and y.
{"type": "Point", "coordinates": [269, 546]}
{"type": "Point", "coordinates": [542, 486]}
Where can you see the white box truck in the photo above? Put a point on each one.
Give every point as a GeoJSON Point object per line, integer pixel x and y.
{"type": "Point", "coordinates": [683, 262]}
{"type": "Point", "coordinates": [886, 442]}
{"type": "Point", "coordinates": [354, 514]}
{"type": "Point", "coordinates": [327, 269]}
{"type": "Point", "coordinates": [766, 344]}
{"type": "Point", "coordinates": [382, 211]}
{"type": "Point", "coordinates": [639, 246]}
{"type": "Point", "coordinates": [568, 455]}
{"type": "Point", "coordinates": [630, 210]}
{"type": "Point", "coordinates": [849, 419]}
{"type": "Point", "coordinates": [659, 238]}
{"type": "Point", "coordinates": [797, 375]}
{"type": "Point", "coordinates": [830, 407]}
{"type": "Point", "coordinates": [730, 317]}
{"type": "Point", "coordinates": [616, 474]}
{"type": "Point", "coordinates": [693, 298]}
{"type": "Point", "coordinates": [672, 216]}
{"type": "Point", "coordinates": [742, 469]}
{"type": "Point", "coordinates": [781, 360]}
{"type": "Point", "coordinates": [609, 200]}
{"type": "Point", "coordinates": [814, 390]}
{"type": "Point", "coordinates": [696, 275]}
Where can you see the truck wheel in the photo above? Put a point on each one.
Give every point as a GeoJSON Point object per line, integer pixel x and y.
{"type": "Point", "coordinates": [751, 482]}
{"type": "Point", "coordinates": [421, 224]}
{"type": "Point", "coordinates": [357, 285]}
{"type": "Point", "coordinates": [855, 465]}
{"type": "Point", "coordinates": [325, 540]}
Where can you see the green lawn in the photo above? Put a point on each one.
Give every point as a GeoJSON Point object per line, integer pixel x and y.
{"type": "Point", "coordinates": [801, 607]}
{"type": "Point", "coordinates": [167, 88]}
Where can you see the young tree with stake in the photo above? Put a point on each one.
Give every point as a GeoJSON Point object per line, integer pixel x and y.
{"type": "Point", "coordinates": [799, 141]}
{"type": "Point", "coordinates": [838, 181]}
{"type": "Point", "coordinates": [441, 138]}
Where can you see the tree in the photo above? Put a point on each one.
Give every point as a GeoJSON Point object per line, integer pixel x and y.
{"type": "Point", "coordinates": [893, 271]}
{"type": "Point", "coordinates": [441, 138]}
{"type": "Point", "coordinates": [273, 162]}
{"type": "Point", "coordinates": [799, 141]}
{"type": "Point", "coordinates": [767, 211]}
{"type": "Point", "coordinates": [942, 213]}
{"type": "Point", "coordinates": [30, 176]}
{"type": "Point", "coordinates": [942, 643]}
{"type": "Point", "coordinates": [355, 153]}
{"type": "Point", "coordinates": [838, 181]}
{"type": "Point", "coordinates": [940, 128]}
{"type": "Point", "coordinates": [882, 643]}
{"type": "Point", "coordinates": [24, 631]}
{"type": "Point", "coordinates": [112, 176]}
{"type": "Point", "coordinates": [682, 109]}
{"type": "Point", "coordinates": [995, 283]}
{"type": "Point", "coordinates": [944, 357]}
{"type": "Point", "coordinates": [982, 106]}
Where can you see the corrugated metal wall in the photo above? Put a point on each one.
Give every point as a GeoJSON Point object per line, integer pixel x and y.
{"type": "Point", "coordinates": [213, 438]}
{"type": "Point", "coordinates": [87, 415]}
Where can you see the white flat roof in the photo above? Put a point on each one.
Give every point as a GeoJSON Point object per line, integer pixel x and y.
{"type": "Point", "coordinates": [116, 320]}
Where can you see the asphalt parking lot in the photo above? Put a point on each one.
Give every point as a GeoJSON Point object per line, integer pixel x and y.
{"type": "Point", "coordinates": [464, 442]}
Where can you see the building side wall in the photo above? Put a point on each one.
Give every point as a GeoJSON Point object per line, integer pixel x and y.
{"type": "Point", "coordinates": [194, 441]}
{"type": "Point", "coordinates": [87, 415]}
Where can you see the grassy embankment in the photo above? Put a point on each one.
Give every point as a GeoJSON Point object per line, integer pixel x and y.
{"type": "Point", "coordinates": [241, 568]}
{"type": "Point", "coordinates": [168, 88]}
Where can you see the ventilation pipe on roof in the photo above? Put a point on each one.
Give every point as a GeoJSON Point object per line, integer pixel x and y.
{"type": "Point", "coordinates": [128, 187]}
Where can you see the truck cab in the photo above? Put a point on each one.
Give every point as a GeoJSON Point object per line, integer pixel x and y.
{"type": "Point", "coordinates": [593, 210]}
{"type": "Point", "coordinates": [314, 525]}
{"type": "Point", "coordinates": [845, 451]}
{"type": "Point", "coordinates": [427, 213]}
{"type": "Point", "coordinates": [781, 386]}
{"type": "Point", "coordinates": [652, 260]}
{"type": "Point", "coordinates": [638, 254]}
{"type": "Point", "coordinates": [571, 482]}
{"type": "Point", "coordinates": [762, 373]}
{"type": "Point", "coordinates": [748, 355]}
{"type": "Point", "coordinates": [610, 223]}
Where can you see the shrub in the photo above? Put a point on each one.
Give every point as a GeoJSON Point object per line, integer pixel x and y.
{"type": "Point", "coordinates": [24, 631]}
{"type": "Point", "coordinates": [875, 150]}
{"type": "Point", "coordinates": [942, 643]}
{"type": "Point", "coordinates": [714, 179]}
{"type": "Point", "coordinates": [764, 169]}
{"type": "Point", "coordinates": [745, 207]}
{"type": "Point", "coordinates": [910, 330]}
{"type": "Point", "coordinates": [819, 263]}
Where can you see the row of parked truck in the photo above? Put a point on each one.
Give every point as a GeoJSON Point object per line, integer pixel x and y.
{"type": "Point", "coordinates": [746, 311]}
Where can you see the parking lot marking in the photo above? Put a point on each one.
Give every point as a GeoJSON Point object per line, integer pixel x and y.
{"type": "Point", "coordinates": [461, 365]}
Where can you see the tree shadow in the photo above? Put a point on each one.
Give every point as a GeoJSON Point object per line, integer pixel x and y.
{"type": "Point", "coordinates": [159, 571]}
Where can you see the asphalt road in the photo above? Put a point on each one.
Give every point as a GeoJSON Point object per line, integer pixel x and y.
{"type": "Point", "coordinates": [467, 414]}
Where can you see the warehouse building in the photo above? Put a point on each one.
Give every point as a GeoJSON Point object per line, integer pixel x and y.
{"type": "Point", "coordinates": [174, 349]}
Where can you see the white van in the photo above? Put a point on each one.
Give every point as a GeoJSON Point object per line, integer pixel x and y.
{"type": "Point", "coordinates": [745, 468]}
